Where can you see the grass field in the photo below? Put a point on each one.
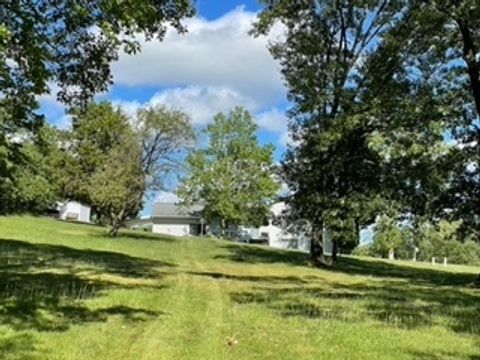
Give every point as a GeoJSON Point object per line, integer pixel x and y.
{"type": "Point", "coordinates": [69, 292]}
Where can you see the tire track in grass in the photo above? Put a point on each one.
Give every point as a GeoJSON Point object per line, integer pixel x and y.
{"type": "Point", "coordinates": [194, 326]}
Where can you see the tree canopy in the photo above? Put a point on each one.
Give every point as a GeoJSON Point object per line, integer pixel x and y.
{"type": "Point", "coordinates": [376, 88]}
{"type": "Point", "coordinates": [67, 47]}
{"type": "Point", "coordinates": [232, 176]}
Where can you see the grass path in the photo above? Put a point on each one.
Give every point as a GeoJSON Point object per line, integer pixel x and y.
{"type": "Point", "coordinates": [68, 292]}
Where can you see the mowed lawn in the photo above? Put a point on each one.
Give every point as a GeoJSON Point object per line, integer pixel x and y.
{"type": "Point", "coordinates": [69, 292]}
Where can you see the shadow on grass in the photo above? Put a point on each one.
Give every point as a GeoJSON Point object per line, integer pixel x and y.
{"type": "Point", "coordinates": [379, 268]}
{"type": "Point", "coordinates": [394, 303]}
{"type": "Point", "coordinates": [43, 287]}
{"type": "Point", "coordinates": [254, 254]}
{"type": "Point", "coordinates": [135, 235]}
{"type": "Point", "coordinates": [24, 256]}
{"type": "Point", "coordinates": [252, 278]}
{"type": "Point", "coordinates": [348, 265]}
{"type": "Point", "coordinates": [19, 347]}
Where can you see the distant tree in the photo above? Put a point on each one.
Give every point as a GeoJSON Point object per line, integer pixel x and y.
{"type": "Point", "coordinates": [115, 161]}
{"type": "Point", "coordinates": [390, 238]}
{"type": "Point", "coordinates": [35, 180]}
{"type": "Point", "coordinates": [165, 135]}
{"type": "Point", "coordinates": [233, 176]}
{"type": "Point", "coordinates": [67, 45]}
{"type": "Point", "coordinates": [116, 188]}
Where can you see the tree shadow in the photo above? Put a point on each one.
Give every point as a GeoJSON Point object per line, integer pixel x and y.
{"type": "Point", "coordinates": [19, 346]}
{"type": "Point", "coordinates": [254, 254]}
{"type": "Point", "coordinates": [383, 269]}
{"type": "Point", "coordinates": [24, 256]}
{"type": "Point", "coordinates": [394, 303]}
{"type": "Point", "coordinates": [249, 278]}
{"type": "Point", "coordinates": [135, 235]}
{"type": "Point", "coordinates": [44, 287]}
{"type": "Point", "coordinates": [347, 265]}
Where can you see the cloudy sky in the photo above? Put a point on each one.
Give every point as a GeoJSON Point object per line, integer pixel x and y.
{"type": "Point", "coordinates": [215, 66]}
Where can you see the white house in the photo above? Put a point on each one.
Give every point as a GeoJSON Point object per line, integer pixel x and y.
{"type": "Point", "coordinates": [74, 211]}
{"type": "Point", "coordinates": [173, 219]}
{"type": "Point", "coordinates": [282, 234]}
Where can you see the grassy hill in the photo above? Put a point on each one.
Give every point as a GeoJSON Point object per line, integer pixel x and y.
{"type": "Point", "coordinates": [69, 292]}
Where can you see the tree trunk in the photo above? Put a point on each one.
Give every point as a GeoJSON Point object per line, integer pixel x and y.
{"type": "Point", "coordinates": [469, 55]}
{"type": "Point", "coordinates": [114, 230]}
{"type": "Point", "coordinates": [223, 224]}
{"type": "Point", "coordinates": [316, 249]}
{"type": "Point", "coordinates": [117, 221]}
{"type": "Point", "coordinates": [357, 230]}
{"type": "Point", "coordinates": [335, 251]}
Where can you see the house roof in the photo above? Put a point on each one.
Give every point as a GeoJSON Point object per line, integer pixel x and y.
{"type": "Point", "coordinates": [169, 210]}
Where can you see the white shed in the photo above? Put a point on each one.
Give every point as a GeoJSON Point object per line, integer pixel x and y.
{"type": "Point", "coordinates": [74, 211]}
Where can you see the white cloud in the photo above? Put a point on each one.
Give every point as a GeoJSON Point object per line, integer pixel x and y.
{"type": "Point", "coordinates": [217, 53]}
{"type": "Point", "coordinates": [166, 197]}
{"type": "Point", "coordinates": [273, 120]}
{"type": "Point", "coordinates": [203, 103]}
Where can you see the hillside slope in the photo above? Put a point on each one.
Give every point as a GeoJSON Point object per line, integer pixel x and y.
{"type": "Point", "coordinates": [69, 292]}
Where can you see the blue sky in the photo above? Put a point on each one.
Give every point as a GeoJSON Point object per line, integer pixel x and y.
{"type": "Point", "coordinates": [214, 67]}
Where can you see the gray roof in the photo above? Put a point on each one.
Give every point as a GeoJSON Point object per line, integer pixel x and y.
{"type": "Point", "coordinates": [169, 210]}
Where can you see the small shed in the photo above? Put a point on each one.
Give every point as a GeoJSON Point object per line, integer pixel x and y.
{"type": "Point", "coordinates": [74, 211]}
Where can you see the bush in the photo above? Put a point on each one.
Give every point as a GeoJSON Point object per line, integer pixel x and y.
{"type": "Point", "coordinates": [442, 240]}
{"type": "Point", "coordinates": [363, 250]}
{"type": "Point", "coordinates": [391, 236]}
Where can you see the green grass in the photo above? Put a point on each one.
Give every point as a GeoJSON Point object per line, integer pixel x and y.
{"type": "Point", "coordinates": [69, 292]}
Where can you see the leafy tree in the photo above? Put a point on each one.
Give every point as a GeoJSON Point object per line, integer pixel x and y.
{"type": "Point", "coordinates": [233, 176]}
{"type": "Point", "coordinates": [67, 45]}
{"type": "Point", "coordinates": [117, 186]}
{"type": "Point", "coordinates": [391, 238]}
{"type": "Point", "coordinates": [365, 136]}
{"type": "Point", "coordinates": [442, 240]}
{"type": "Point", "coordinates": [321, 56]}
{"type": "Point", "coordinates": [165, 135]}
{"type": "Point", "coordinates": [34, 184]}
{"type": "Point", "coordinates": [116, 161]}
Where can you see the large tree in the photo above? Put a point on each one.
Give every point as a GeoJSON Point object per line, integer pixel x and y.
{"type": "Point", "coordinates": [115, 161]}
{"type": "Point", "coordinates": [233, 177]}
{"type": "Point", "coordinates": [364, 133]}
{"type": "Point", "coordinates": [67, 45]}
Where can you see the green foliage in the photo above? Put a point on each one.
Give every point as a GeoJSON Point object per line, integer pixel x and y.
{"type": "Point", "coordinates": [364, 250]}
{"type": "Point", "coordinates": [35, 179]}
{"type": "Point", "coordinates": [165, 134]}
{"type": "Point", "coordinates": [67, 46]}
{"type": "Point", "coordinates": [354, 154]}
{"type": "Point", "coordinates": [391, 236]}
{"type": "Point", "coordinates": [115, 161]}
{"type": "Point", "coordinates": [233, 176]}
{"type": "Point", "coordinates": [443, 240]}
{"type": "Point", "coordinates": [375, 86]}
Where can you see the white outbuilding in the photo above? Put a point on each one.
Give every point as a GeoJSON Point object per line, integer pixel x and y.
{"type": "Point", "coordinates": [74, 211]}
